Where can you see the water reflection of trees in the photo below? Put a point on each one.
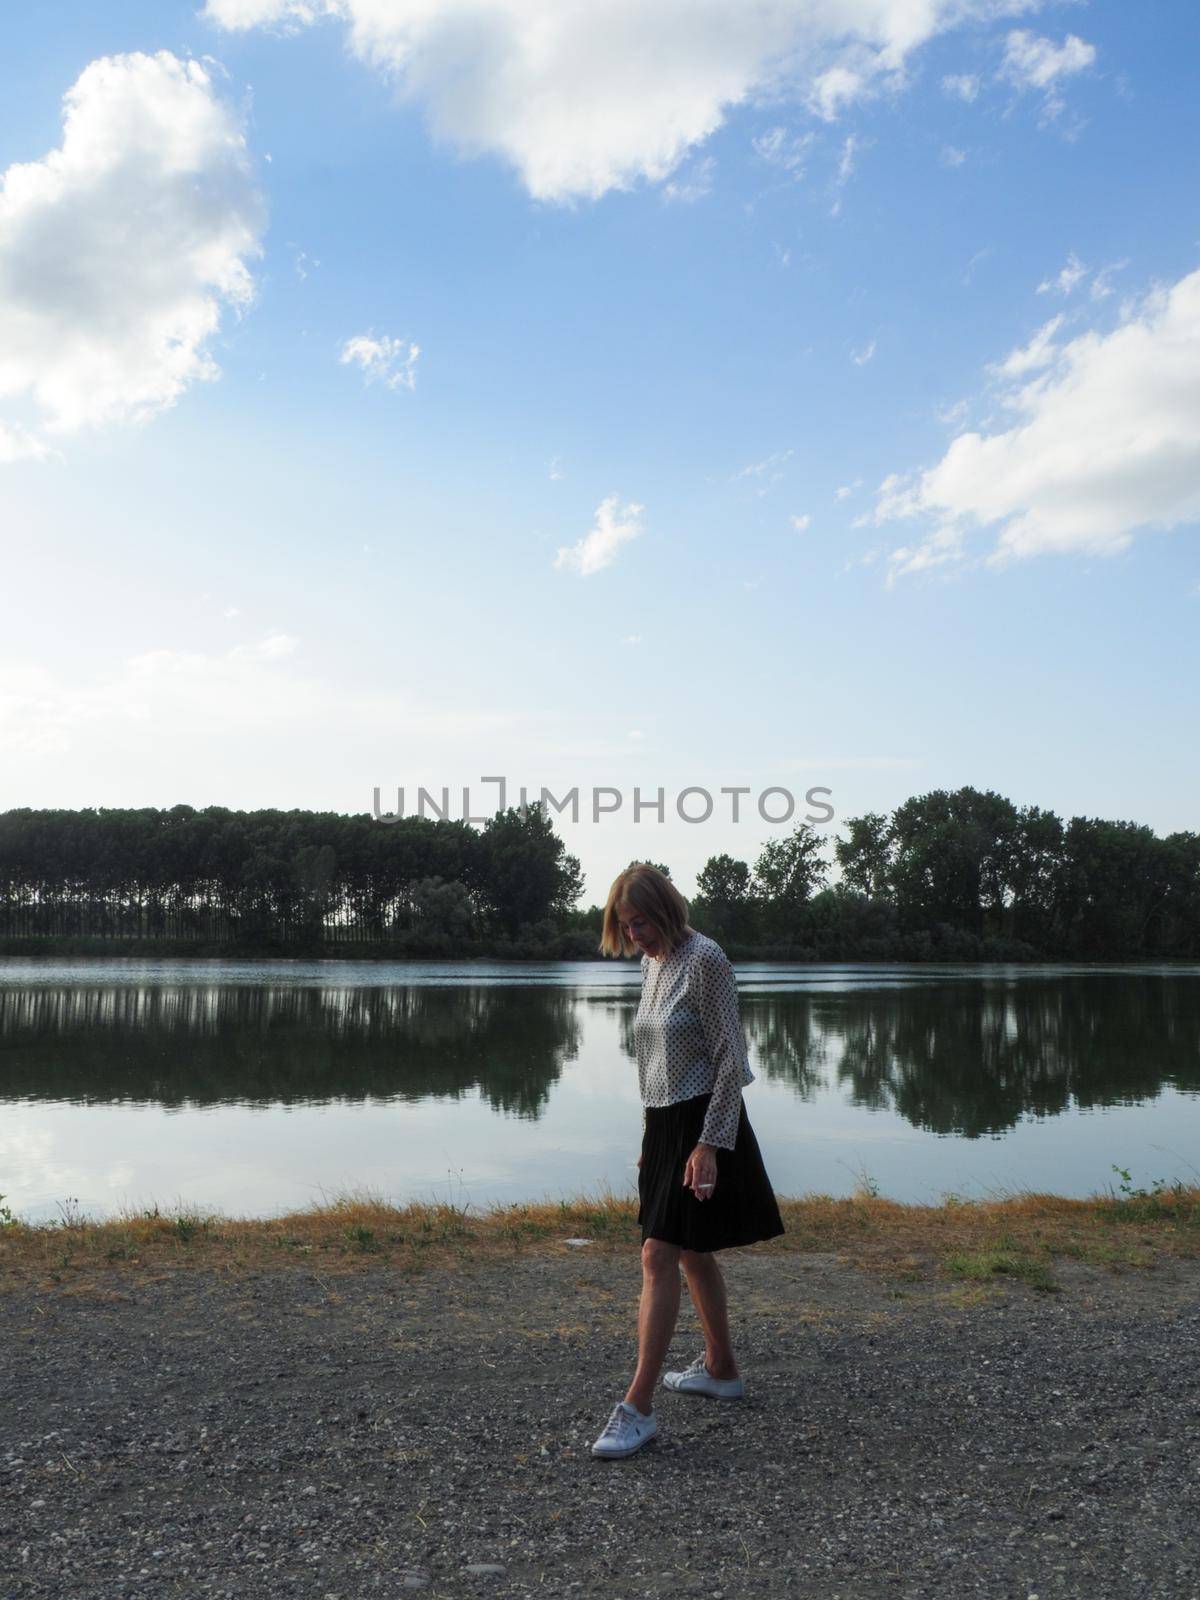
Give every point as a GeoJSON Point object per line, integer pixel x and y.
{"type": "Point", "coordinates": [966, 1056]}
{"type": "Point", "coordinates": [784, 1041]}
{"type": "Point", "coordinates": [208, 1045]}
{"type": "Point", "coordinates": [973, 1059]}
{"type": "Point", "coordinates": [788, 1044]}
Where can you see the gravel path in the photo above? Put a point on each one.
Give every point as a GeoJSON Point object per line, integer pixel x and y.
{"type": "Point", "coordinates": [369, 1435]}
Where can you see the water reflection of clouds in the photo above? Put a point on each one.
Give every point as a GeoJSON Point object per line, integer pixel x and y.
{"type": "Point", "coordinates": [42, 1167]}
{"type": "Point", "coordinates": [23, 1149]}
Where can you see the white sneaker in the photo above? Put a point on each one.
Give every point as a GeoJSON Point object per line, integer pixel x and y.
{"type": "Point", "coordinates": [697, 1379]}
{"type": "Point", "coordinates": [625, 1431]}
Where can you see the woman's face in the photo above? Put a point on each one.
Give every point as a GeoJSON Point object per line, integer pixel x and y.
{"type": "Point", "coordinates": [640, 929]}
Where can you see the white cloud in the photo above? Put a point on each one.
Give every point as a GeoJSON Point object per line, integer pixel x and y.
{"type": "Point", "coordinates": [834, 90]}
{"type": "Point", "coordinates": [1101, 286]}
{"type": "Point", "coordinates": [1033, 62]}
{"type": "Point", "coordinates": [159, 666]}
{"type": "Point", "coordinates": [943, 546]}
{"type": "Point", "coordinates": [18, 444]}
{"type": "Point", "coordinates": [189, 713]}
{"type": "Point", "coordinates": [867, 559]}
{"type": "Point", "coordinates": [284, 15]}
{"type": "Point", "coordinates": [584, 96]}
{"type": "Point", "coordinates": [979, 257]}
{"type": "Point", "coordinates": [961, 86]}
{"type": "Point", "coordinates": [844, 491]}
{"type": "Point", "coordinates": [768, 467]}
{"type": "Point", "coordinates": [802, 523]}
{"type": "Point", "coordinates": [1107, 445]}
{"type": "Point", "coordinates": [781, 148]}
{"type": "Point", "coordinates": [391, 361]}
{"type": "Point", "coordinates": [1071, 276]}
{"type": "Point", "coordinates": [694, 185]}
{"type": "Point", "coordinates": [120, 249]}
{"type": "Point", "coordinates": [861, 357]}
{"type": "Point", "coordinates": [615, 525]}
{"type": "Point", "coordinates": [273, 648]}
{"type": "Point", "coordinates": [953, 413]}
{"type": "Point", "coordinates": [1039, 352]}
{"type": "Point", "coordinates": [556, 473]}
{"type": "Point", "coordinates": [302, 261]}
{"type": "Point", "coordinates": [952, 156]}
{"type": "Point", "coordinates": [850, 149]}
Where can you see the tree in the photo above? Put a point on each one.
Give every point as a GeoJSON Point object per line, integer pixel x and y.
{"type": "Point", "coordinates": [527, 874]}
{"type": "Point", "coordinates": [1114, 881]}
{"type": "Point", "coordinates": [1181, 912]}
{"type": "Point", "coordinates": [787, 873]}
{"type": "Point", "coordinates": [443, 913]}
{"type": "Point", "coordinates": [1032, 871]}
{"type": "Point", "coordinates": [315, 868]}
{"type": "Point", "coordinates": [866, 856]}
{"type": "Point", "coordinates": [723, 886]}
{"type": "Point", "coordinates": [952, 854]}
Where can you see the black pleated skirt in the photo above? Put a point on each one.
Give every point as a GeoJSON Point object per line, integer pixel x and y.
{"type": "Point", "coordinates": [742, 1209]}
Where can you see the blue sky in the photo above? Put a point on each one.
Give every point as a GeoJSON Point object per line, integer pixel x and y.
{"type": "Point", "coordinates": [395, 393]}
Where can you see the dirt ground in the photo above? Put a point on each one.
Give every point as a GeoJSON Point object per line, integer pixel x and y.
{"type": "Point", "coordinates": [192, 1432]}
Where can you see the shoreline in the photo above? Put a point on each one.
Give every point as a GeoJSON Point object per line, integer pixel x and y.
{"type": "Point", "coordinates": [1019, 1236]}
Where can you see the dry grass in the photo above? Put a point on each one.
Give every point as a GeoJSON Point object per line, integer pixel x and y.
{"type": "Point", "coordinates": [1012, 1236]}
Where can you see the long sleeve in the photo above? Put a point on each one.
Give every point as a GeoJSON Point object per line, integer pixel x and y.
{"type": "Point", "coordinates": [726, 1043]}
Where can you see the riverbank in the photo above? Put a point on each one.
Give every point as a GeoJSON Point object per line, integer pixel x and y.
{"type": "Point", "coordinates": [256, 1410]}
{"type": "Point", "coordinates": [1018, 1236]}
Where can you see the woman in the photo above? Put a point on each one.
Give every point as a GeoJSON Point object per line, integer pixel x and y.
{"type": "Point", "coordinates": [702, 1186]}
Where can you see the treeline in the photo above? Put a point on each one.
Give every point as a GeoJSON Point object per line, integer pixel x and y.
{"type": "Point", "coordinates": [962, 875]}
{"type": "Point", "coordinates": [296, 881]}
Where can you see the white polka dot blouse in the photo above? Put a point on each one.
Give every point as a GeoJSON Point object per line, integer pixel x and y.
{"type": "Point", "coordinates": [688, 1035]}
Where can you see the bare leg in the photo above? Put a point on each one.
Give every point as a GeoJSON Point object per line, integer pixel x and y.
{"type": "Point", "coordinates": [657, 1315]}
{"type": "Point", "coordinates": [706, 1286]}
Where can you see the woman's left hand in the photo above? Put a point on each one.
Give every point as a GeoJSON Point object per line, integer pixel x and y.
{"type": "Point", "coordinates": [700, 1172]}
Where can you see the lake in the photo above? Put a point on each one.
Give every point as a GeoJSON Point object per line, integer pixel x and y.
{"type": "Point", "coordinates": [256, 1087]}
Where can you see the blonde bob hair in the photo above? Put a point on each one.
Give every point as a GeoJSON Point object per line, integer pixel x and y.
{"type": "Point", "coordinates": [652, 893]}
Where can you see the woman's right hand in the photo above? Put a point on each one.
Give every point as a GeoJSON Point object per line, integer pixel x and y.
{"type": "Point", "coordinates": [639, 1161]}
